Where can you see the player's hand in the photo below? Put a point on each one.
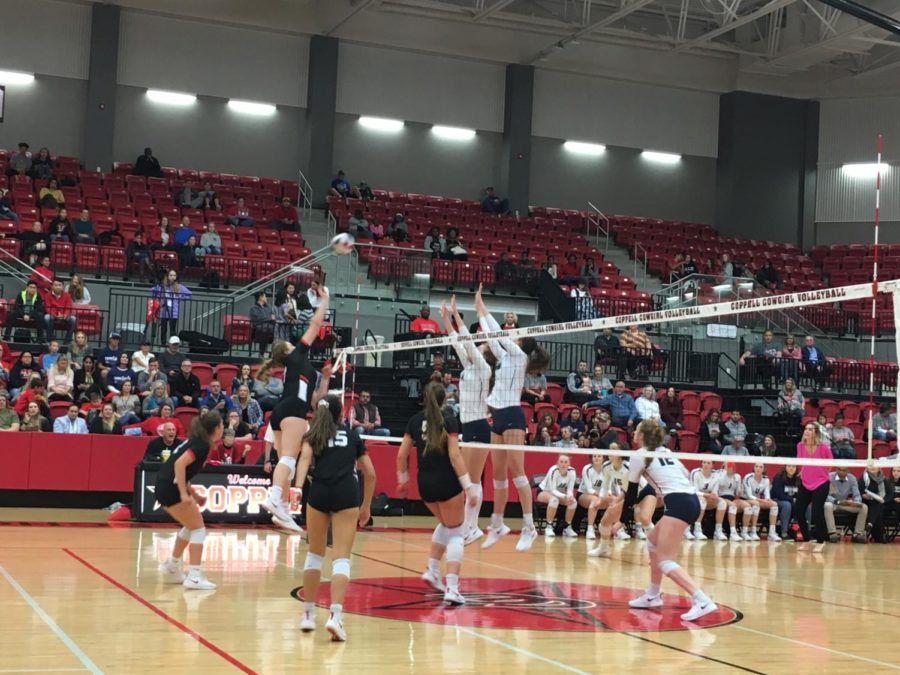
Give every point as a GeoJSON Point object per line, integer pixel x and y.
{"type": "Point", "coordinates": [327, 369]}
{"type": "Point", "coordinates": [187, 498]}
{"type": "Point", "coordinates": [267, 467]}
{"type": "Point", "coordinates": [199, 498]}
{"type": "Point", "coordinates": [402, 489]}
{"type": "Point", "coordinates": [443, 311]}
{"type": "Point", "coordinates": [453, 303]}
{"type": "Point", "coordinates": [364, 515]}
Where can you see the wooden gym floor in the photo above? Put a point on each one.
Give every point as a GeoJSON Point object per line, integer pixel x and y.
{"type": "Point", "coordinates": [86, 598]}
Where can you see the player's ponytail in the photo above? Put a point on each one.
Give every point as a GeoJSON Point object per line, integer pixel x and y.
{"type": "Point", "coordinates": [324, 423]}
{"type": "Point", "coordinates": [279, 353]}
{"type": "Point", "coordinates": [435, 433]}
{"type": "Point", "coordinates": [652, 434]}
{"type": "Point", "coordinates": [538, 357]}
{"type": "Point", "coordinates": [204, 426]}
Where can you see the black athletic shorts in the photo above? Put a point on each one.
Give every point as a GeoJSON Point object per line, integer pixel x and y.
{"type": "Point", "coordinates": [683, 506]}
{"type": "Point", "coordinates": [438, 486]}
{"type": "Point", "coordinates": [508, 419]}
{"type": "Point", "coordinates": [334, 497]}
{"type": "Point", "coordinates": [728, 497]}
{"type": "Point", "coordinates": [293, 407]}
{"type": "Point", "coordinates": [167, 493]}
{"type": "Point", "coordinates": [478, 431]}
{"type": "Point", "coordinates": [646, 491]}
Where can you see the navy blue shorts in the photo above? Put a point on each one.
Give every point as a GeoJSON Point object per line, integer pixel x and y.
{"type": "Point", "coordinates": [478, 431]}
{"type": "Point", "coordinates": [508, 419]}
{"type": "Point", "coordinates": [646, 491]}
{"type": "Point", "coordinates": [683, 506]}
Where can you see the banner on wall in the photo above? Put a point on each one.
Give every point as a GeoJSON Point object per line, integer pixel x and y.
{"type": "Point", "coordinates": [233, 494]}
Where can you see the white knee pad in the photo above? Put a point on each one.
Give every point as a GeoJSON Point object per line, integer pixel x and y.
{"type": "Point", "coordinates": [184, 534]}
{"type": "Point", "coordinates": [197, 536]}
{"type": "Point", "coordinates": [773, 510]}
{"type": "Point", "coordinates": [440, 535]}
{"type": "Point", "coordinates": [668, 566]}
{"type": "Point", "coordinates": [290, 463]}
{"type": "Point", "coordinates": [520, 481]}
{"type": "Point", "coordinates": [312, 562]}
{"type": "Point", "coordinates": [722, 505]}
{"type": "Point", "coordinates": [502, 484]}
{"type": "Point", "coordinates": [341, 567]}
{"type": "Point", "coordinates": [455, 545]}
{"type": "Point", "coordinates": [754, 510]}
{"type": "Point", "coordinates": [554, 502]}
{"type": "Point", "coordinates": [732, 509]}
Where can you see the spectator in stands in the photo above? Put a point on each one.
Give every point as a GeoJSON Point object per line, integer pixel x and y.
{"type": "Point", "coordinates": [884, 424]}
{"type": "Point", "coordinates": [574, 422]}
{"type": "Point", "coordinates": [790, 357]}
{"type": "Point", "coordinates": [140, 360]}
{"type": "Point", "coordinates": [764, 354]}
{"type": "Point", "coordinates": [206, 197]}
{"type": "Point", "coordinates": [183, 233]}
{"type": "Point", "coordinates": [570, 271]}
{"type": "Point", "coordinates": [35, 242]}
{"type": "Point", "coordinates": [187, 197]}
{"type": "Point", "coordinates": [814, 363]}
{"type": "Point", "coordinates": [250, 410]}
{"type": "Point", "coordinates": [435, 243]}
{"type": "Point", "coordinates": [505, 270]}
{"type": "Point", "coordinates": [217, 400]}
{"type": "Point", "coordinates": [365, 416]}
{"type": "Point", "coordinates": [313, 293]}
{"type": "Point", "coordinates": [106, 422]}
{"type": "Point", "coordinates": [844, 497]}
{"type": "Point", "coordinates": [689, 266]}
{"type": "Point", "coordinates": [340, 187]}
{"type": "Point", "coordinates": [88, 378]}
{"type": "Point", "coordinates": [262, 323]}
{"type": "Point", "coordinates": [170, 360]}
{"type": "Point", "coordinates": [6, 210]}
{"type": "Point", "coordinates": [238, 426]}
{"type": "Point", "coordinates": [9, 420]}
{"type": "Point", "coordinates": [127, 405]}
{"type": "Point", "coordinates": [551, 268]}
{"type": "Point", "coordinates": [239, 214]}
{"type": "Point", "coordinates": [647, 407]}
{"type": "Point", "coordinates": [605, 435]}
{"type": "Point", "coordinates": [768, 448]}
{"type": "Point", "coordinates": [735, 425]}
{"type": "Point", "coordinates": [712, 429]}
{"type": "Point", "coordinates": [726, 269]}
{"type": "Point", "coordinates": [119, 373]}
{"type": "Point", "coordinates": [491, 203]}
{"type": "Point", "coordinates": [162, 237]}
{"type": "Point", "coordinates": [675, 267]}
{"type": "Point", "coordinates": [210, 241]}
{"type": "Point", "coordinates": [60, 227]}
{"type": "Point", "coordinates": [166, 441]}
{"type": "Point", "coordinates": [398, 230]}
{"type": "Point", "coordinates": [78, 349]}
{"type": "Point", "coordinates": [768, 277]}
{"type": "Point", "coordinates": [166, 415]}
{"type": "Point", "coordinates": [579, 388]}
{"type": "Point", "coordinates": [789, 409]}
{"type": "Point", "coordinates": [185, 386]}
{"type": "Point", "coordinates": [147, 165]}
{"type": "Point", "coordinates": [784, 490]}
{"type": "Point", "coordinates": [892, 503]}
{"type": "Point", "coordinates": [58, 310]}
{"type": "Point", "coordinates": [33, 420]}
{"type": "Point", "coordinates": [50, 196]}
{"type": "Point", "coordinates": [285, 216]}
{"type": "Point", "coordinates": [671, 411]}
{"type": "Point", "coordinates": [28, 312]}
{"type": "Point", "coordinates": [842, 439]}
{"type": "Point", "coordinates": [873, 490]}
{"type": "Point", "coordinates": [600, 384]}
{"type": "Point", "coordinates": [34, 390]}
{"type": "Point", "coordinates": [736, 446]}
{"type": "Point", "coordinates": [454, 247]}
{"type": "Point", "coordinates": [22, 371]}
{"type": "Point", "coordinates": [636, 351]}
{"type": "Point", "coordinates": [52, 354]}
{"type": "Point", "coordinates": [377, 230]}
{"type": "Point", "coordinates": [621, 406]}
{"type": "Point", "coordinates": [365, 192]}
{"type": "Point", "coordinates": [358, 226]}
{"type": "Point", "coordinates": [510, 321]}
{"type": "Point", "coordinates": [60, 380]}
{"type": "Point", "coordinates": [227, 452]}
{"type": "Point", "coordinates": [244, 377]}
{"type": "Point", "coordinates": [266, 389]}
{"type": "Point", "coordinates": [109, 355]}
{"type": "Point", "coordinates": [547, 430]}
{"type": "Point", "coordinates": [435, 371]}
{"type": "Point", "coordinates": [157, 399]}
{"type": "Point", "coordinates": [424, 323]}
{"type": "Point", "coordinates": [534, 390]}
{"type": "Point", "coordinates": [188, 255]}
{"type": "Point", "coordinates": [78, 291]}
{"type": "Point", "coordinates": [170, 294]}
{"type": "Point", "coordinates": [43, 276]}
{"type": "Point", "coordinates": [20, 163]}
{"type": "Point", "coordinates": [42, 165]}
{"type": "Point", "coordinates": [584, 304]}
{"type": "Point", "coordinates": [566, 438]}
{"type": "Point", "coordinates": [607, 346]}
{"type": "Point", "coordinates": [138, 253]}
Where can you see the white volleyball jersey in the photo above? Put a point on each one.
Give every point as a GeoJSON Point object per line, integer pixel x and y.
{"type": "Point", "coordinates": [704, 484]}
{"type": "Point", "coordinates": [591, 479]}
{"type": "Point", "coordinates": [474, 381]}
{"type": "Point", "coordinates": [729, 485]}
{"type": "Point", "coordinates": [614, 480]}
{"type": "Point", "coordinates": [666, 474]}
{"type": "Point", "coordinates": [756, 489]}
{"type": "Point", "coordinates": [509, 376]}
{"type": "Point", "coordinates": [560, 484]}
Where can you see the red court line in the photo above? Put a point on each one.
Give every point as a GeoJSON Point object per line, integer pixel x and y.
{"type": "Point", "coordinates": [153, 608]}
{"type": "Point", "coordinates": [209, 526]}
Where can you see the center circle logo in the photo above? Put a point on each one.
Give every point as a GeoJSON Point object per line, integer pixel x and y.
{"type": "Point", "coordinates": [521, 604]}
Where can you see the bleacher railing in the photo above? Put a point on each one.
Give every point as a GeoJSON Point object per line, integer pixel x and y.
{"type": "Point", "coordinates": [832, 377]}
{"type": "Point", "coordinates": [14, 266]}
{"type": "Point", "coordinates": [598, 227]}
{"type": "Point", "coordinates": [304, 198]}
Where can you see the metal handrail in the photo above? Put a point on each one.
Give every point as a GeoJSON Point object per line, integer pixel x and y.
{"type": "Point", "coordinates": [637, 259]}
{"type": "Point", "coordinates": [305, 196]}
{"type": "Point", "coordinates": [595, 219]}
{"type": "Point", "coordinates": [10, 266]}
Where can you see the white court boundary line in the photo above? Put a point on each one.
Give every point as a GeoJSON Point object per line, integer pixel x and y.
{"type": "Point", "coordinates": [519, 650]}
{"type": "Point", "coordinates": [89, 665]}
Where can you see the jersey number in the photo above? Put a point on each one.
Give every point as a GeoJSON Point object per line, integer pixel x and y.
{"type": "Point", "coordinates": [665, 462]}
{"type": "Point", "coordinates": [340, 440]}
{"type": "Point", "coordinates": [302, 389]}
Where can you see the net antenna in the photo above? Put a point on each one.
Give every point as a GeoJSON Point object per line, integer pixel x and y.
{"type": "Point", "coordinates": [871, 423]}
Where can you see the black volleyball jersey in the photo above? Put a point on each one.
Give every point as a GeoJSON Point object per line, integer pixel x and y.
{"type": "Point", "coordinates": [435, 459]}
{"type": "Point", "coordinates": [337, 459]}
{"type": "Point", "coordinates": [299, 375]}
{"type": "Point", "coordinates": [200, 450]}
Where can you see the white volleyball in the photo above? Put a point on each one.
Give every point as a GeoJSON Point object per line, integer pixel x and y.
{"type": "Point", "coordinates": [342, 244]}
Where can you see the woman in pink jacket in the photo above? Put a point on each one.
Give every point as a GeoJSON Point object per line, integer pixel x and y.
{"type": "Point", "coordinates": [813, 483]}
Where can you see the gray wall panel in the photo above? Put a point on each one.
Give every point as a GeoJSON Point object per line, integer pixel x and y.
{"type": "Point", "coordinates": [49, 111]}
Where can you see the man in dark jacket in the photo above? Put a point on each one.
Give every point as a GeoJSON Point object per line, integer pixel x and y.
{"type": "Point", "coordinates": [147, 165]}
{"type": "Point", "coordinates": [262, 322]}
{"type": "Point", "coordinates": [28, 312]}
{"type": "Point", "coordinates": [185, 386]}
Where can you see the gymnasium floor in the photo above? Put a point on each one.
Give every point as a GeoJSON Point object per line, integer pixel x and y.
{"type": "Point", "coordinates": [85, 597]}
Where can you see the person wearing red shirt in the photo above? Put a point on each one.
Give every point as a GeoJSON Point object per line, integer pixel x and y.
{"type": "Point", "coordinates": [425, 324]}
{"type": "Point", "coordinates": [166, 414]}
{"type": "Point", "coordinates": [58, 308]}
{"type": "Point", "coordinates": [43, 275]}
{"type": "Point", "coordinates": [284, 216]}
{"type": "Point", "coordinates": [239, 214]}
{"type": "Point", "coordinates": [569, 272]}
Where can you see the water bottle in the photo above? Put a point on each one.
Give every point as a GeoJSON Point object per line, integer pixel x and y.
{"type": "Point", "coordinates": [228, 458]}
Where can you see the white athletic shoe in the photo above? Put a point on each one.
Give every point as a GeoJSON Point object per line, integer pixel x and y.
{"type": "Point", "coordinates": [493, 536]}
{"type": "Point", "coordinates": [526, 539]}
{"type": "Point", "coordinates": [336, 629]}
{"type": "Point", "coordinates": [698, 533]}
{"type": "Point", "coordinates": [549, 533]}
{"type": "Point", "coordinates": [198, 583]}
{"type": "Point", "coordinates": [639, 533]}
{"type": "Point", "coordinates": [171, 574]}
{"type": "Point", "coordinates": [622, 534]}
{"type": "Point", "coordinates": [720, 536]}
{"type": "Point", "coordinates": [286, 524]}
{"type": "Point", "coordinates": [473, 535]}
{"type": "Point", "coordinates": [687, 535]}
{"type": "Point", "coordinates": [433, 580]}
{"type": "Point", "coordinates": [754, 535]}
{"type": "Point", "coordinates": [276, 508]}
{"type": "Point", "coordinates": [601, 551]}
{"type": "Point", "coordinates": [454, 597]}
{"type": "Point", "coordinates": [307, 622]}
{"type": "Point", "coordinates": [644, 601]}
{"type": "Point", "coordinates": [697, 610]}
{"type": "Point", "coordinates": [773, 536]}
{"type": "Point", "coordinates": [735, 536]}
{"type": "Point", "coordinates": [590, 534]}
{"type": "Point", "coordinates": [569, 532]}
{"type": "Point", "coordinates": [746, 536]}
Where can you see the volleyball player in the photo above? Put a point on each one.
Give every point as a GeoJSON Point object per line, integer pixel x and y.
{"type": "Point", "coordinates": [442, 478]}
{"type": "Point", "coordinates": [729, 488]}
{"type": "Point", "coordinates": [474, 387]}
{"type": "Point", "coordinates": [183, 503]}
{"type": "Point", "coordinates": [757, 493]}
{"type": "Point", "coordinates": [509, 427]}
{"type": "Point", "coordinates": [589, 492]}
{"type": "Point", "coordinates": [334, 453]}
{"type": "Point", "coordinates": [288, 420]}
{"type": "Point", "coordinates": [704, 481]}
{"type": "Point", "coordinates": [558, 487]}
{"type": "Point", "coordinates": [615, 478]}
{"type": "Point", "coordinates": [682, 505]}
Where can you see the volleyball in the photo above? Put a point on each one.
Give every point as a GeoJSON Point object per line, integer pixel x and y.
{"type": "Point", "coordinates": [342, 244]}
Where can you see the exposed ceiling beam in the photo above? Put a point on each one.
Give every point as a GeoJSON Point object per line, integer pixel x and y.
{"type": "Point", "coordinates": [731, 25]}
{"type": "Point", "coordinates": [618, 15]}
{"type": "Point", "coordinates": [493, 9]}
{"type": "Point", "coordinates": [360, 6]}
